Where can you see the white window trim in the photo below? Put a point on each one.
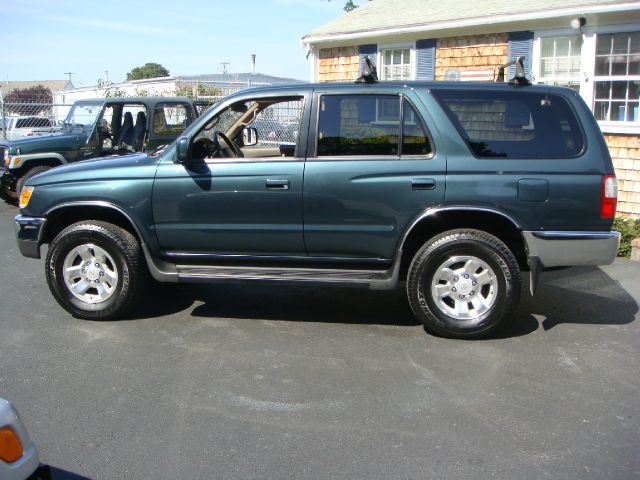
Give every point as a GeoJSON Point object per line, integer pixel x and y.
{"type": "Point", "coordinates": [412, 57]}
{"type": "Point", "coordinates": [587, 66]}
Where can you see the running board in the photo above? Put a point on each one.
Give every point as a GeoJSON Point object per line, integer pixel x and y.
{"type": "Point", "coordinates": [375, 279]}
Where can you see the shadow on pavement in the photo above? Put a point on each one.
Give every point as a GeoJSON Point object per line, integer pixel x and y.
{"type": "Point", "coordinates": [47, 472]}
{"type": "Point", "coordinates": [583, 295]}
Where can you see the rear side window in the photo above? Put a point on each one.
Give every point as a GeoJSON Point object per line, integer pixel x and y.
{"type": "Point", "coordinates": [33, 122]}
{"type": "Point", "coordinates": [171, 118]}
{"type": "Point", "coordinates": [370, 125]}
{"type": "Point", "coordinates": [514, 124]}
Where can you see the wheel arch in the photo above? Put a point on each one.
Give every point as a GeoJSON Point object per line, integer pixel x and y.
{"type": "Point", "coordinates": [437, 220]}
{"type": "Point", "coordinates": [61, 216]}
{"type": "Point", "coordinates": [49, 159]}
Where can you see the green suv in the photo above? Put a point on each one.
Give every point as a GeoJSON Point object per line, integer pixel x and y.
{"type": "Point", "coordinates": [450, 189]}
{"type": "Point", "coordinates": [95, 128]}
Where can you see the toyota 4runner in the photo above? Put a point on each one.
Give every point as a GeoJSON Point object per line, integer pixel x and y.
{"type": "Point", "coordinates": [453, 189]}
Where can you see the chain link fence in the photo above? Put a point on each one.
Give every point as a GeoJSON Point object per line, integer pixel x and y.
{"type": "Point", "coordinates": [42, 115]}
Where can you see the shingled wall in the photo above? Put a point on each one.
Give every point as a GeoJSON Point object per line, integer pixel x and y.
{"type": "Point", "coordinates": [474, 51]}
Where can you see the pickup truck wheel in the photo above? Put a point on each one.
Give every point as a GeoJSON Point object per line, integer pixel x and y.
{"type": "Point", "coordinates": [30, 173]}
{"type": "Point", "coordinates": [95, 270]}
{"type": "Point", "coordinates": [463, 284]}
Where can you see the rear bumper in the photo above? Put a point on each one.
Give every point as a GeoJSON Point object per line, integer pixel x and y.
{"type": "Point", "coordinates": [568, 249]}
{"type": "Point", "coordinates": [29, 234]}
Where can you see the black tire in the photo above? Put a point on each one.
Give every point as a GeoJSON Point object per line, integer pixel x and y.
{"type": "Point", "coordinates": [447, 264]}
{"type": "Point", "coordinates": [8, 196]}
{"type": "Point", "coordinates": [123, 259]}
{"type": "Point", "coordinates": [30, 173]}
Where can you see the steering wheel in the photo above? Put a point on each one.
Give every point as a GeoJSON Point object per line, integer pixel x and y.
{"type": "Point", "coordinates": [230, 146]}
{"type": "Point", "coordinates": [204, 147]}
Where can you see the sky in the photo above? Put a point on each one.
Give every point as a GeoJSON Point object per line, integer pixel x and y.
{"type": "Point", "coordinates": [44, 39]}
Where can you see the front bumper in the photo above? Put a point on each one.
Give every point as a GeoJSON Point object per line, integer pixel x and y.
{"type": "Point", "coordinates": [568, 249]}
{"type": "Point", "coordinates": [29, 234]}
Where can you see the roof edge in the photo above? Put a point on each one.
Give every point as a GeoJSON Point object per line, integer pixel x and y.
{"type": "Point", "coordinates": [308, 40]}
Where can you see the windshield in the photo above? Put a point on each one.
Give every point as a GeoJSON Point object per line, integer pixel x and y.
{"type": "Point", "coordinates": [84, 114]}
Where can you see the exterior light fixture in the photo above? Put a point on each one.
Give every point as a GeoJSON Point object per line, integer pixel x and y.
{"type": "Point", "coordinates": [578, 22]}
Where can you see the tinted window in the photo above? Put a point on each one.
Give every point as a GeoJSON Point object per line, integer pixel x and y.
{"type": "Point", "coordinates": [370, 125]}
{"type": "Point", "coordinates": [359, 125]}
{"type": "Point", "coordinates": [415, 140]}
{"type": "Point", "coordinates": [514, 124]}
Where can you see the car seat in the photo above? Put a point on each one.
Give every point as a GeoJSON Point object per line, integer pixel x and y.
{"type": "Point", "coordinates": [125, 134]}
{"type": "Point", "coordinates": [139, 131]}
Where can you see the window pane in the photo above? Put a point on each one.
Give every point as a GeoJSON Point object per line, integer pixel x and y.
{"type": "Point", "coordinates": [359, 125]}
{"type": "Point", "coordinates": [603, 90]}
{"type": "Point", "coordinates": [619, 90]}
{"type": "Point", "coordinates": [514, 125]}
{"type": "Point", "coordinates": [414, 136]}
{"type": "Point", "coordinates": [603, 44]}
{"type": "Point", "coordinates": [635, 42]}
{"type": "Point", "coordinates": [620, 43]}
{"type": "Point", "coordinates": [601, 110]}
{"type": "Point", "coordinates": [560, 58]}
{"type": "Point", "coordinates": [602, 65]}
{"type": "Point", "coordinates": [618, 65]}
{"type": "Point", "coordinates": [171, 118]}
{"type": "Point", "coordinates": [634, 65]}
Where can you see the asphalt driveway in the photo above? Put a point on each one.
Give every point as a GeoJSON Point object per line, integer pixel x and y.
{"type": "Point", "coordinates": [259, 381]}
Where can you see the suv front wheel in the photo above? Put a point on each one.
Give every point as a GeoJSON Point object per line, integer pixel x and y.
{"type": "Point", "coordinates": [463, 284]}
{"type": "Point", "coordinates": [95, 270]}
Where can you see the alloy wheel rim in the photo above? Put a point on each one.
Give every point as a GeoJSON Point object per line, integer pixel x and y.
{"type": "Point", "coordinates": [464, 287]}
{"type": "Point", "coordinates": [90, 273]}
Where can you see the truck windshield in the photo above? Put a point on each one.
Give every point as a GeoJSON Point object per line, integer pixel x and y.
{"type": "Point", "coordinates": [84, 114]}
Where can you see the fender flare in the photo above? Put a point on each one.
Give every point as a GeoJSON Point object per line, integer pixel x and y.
{"type": "Point", "coordinates": [32, 157]}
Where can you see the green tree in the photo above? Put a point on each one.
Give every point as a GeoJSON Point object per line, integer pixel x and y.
{"type": "Point", "coordinates": [349, 5]}
{"type": "Point", "coordinates": [148, 70]}
{"type": "Point", "coordinates": [24, 98]}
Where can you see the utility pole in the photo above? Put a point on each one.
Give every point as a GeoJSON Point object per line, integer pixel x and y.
{"type": "Point", "coordinates": [69, 73]}
{"type": "Point", "coordinates": [224, 66]}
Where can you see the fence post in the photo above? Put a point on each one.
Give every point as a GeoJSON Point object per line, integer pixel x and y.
{"type": "Point", "coordinates": [3, 116]}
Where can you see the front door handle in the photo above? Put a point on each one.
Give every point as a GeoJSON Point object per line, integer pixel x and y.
{"type": "Point", "coordinates": [277, 184]}
{"type": "Point", "coordinates": [423, 183]}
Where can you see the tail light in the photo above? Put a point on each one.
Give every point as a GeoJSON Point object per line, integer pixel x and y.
{"type": "Point", "coordinates": [608, 196]}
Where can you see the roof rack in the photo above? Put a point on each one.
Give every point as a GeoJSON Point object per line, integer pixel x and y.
{"type": "Point", "coordinates": [519, 78]}
{"type": "Point", "coordinates": [369, 72]}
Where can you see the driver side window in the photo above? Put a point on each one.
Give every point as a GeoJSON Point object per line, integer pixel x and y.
{"type": "Point", "coordinates": [271, 124]}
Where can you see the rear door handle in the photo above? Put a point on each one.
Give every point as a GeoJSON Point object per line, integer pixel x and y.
{"type": "Point", "coordinates": [277, 184]}
{"type": "Point", "coordinates": [423, 183]}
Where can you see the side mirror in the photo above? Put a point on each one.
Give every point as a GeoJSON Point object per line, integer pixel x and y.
{"type": "Point", "coordinates": [249, 136]}
{"type": "Point", "coordinates": [182, 149]}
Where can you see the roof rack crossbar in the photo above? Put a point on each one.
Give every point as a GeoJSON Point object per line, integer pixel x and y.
{"type": "Point", "coordinates": [519, 78]}
{"type": "Point", "coordinates": [369, 72]}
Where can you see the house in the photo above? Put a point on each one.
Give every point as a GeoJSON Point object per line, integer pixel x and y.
{"type": "Point", "coordinates": [9, 86]}
{"type": "Point", "coordinates": [590, 46]}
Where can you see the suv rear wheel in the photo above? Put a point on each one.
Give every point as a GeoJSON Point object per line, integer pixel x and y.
{"type": "Point", "coordinates": [463, 284]}
{"type": "Point", "coordinates": [95, 270]}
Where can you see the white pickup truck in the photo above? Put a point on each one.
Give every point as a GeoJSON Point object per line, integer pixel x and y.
{"type": "Point", "coordinates": [25, 126]}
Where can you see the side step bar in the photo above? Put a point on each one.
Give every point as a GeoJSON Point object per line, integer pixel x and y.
{"type": "Point", "coordinates": [375, 279]}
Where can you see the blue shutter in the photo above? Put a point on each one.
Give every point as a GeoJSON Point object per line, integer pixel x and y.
{"type": "Point", "coordinates": [425, 59]}
{"type": "Point", "coordinates": [370, 51]}
{"type": "Point", "coordinates": [521, 45]}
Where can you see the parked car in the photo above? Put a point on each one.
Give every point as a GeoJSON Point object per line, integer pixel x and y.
{"type": "Point", "coordinates": [18, 127]}
{"type": "Point", "coordinates": [95, 128]}
{"type": "Point", "coordinates": [453, 188]}
{"type": "Point", "coordinates": [18, 454]}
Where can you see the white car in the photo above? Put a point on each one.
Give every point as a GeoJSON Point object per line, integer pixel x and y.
{"type": "Point", "coordinates": [18, 454]}
{"type": "Point", "coordinates": [18, 127]}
